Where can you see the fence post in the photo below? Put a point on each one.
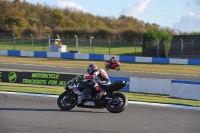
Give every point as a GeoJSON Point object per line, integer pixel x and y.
{"type": "Point", "coordinates": [135, 46]}
{"type": "Point", "coordinates": [99, 40]}
{"type": "Point", "coordinates": [14, 40]}
{"type": "Point", "coordinates": [49, 42]}
{"type": "Point", "coordinates": [83, 37]}
{"type": "Point", "coordinates": [67, 40]}
{"type": "Point", "coordinates": [58, 36]}
{"type": "Point", "coordinates": [2, 35]}
{"type": "Point", "coordinates": [181, 48]}
{"type": "Point", "coordinates": [109, 43]}
{"type": "Point", "coordinates": [23, 37]}
{"type": "Point", "coordinates": [90, 42]}
{"type": "Point", "coordinates": [157, 47]}
{"type": "Point", "coordinates": [76, 42]}
{"type": "Point", "coordinates": [31, 42]}
{"type": "Point", "coordinates": [192, 47]}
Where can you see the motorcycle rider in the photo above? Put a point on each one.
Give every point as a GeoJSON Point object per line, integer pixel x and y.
{"type": "Point", "coordinates": [113, 61]}
{"type": "Point", "coordinates": [101, 78]}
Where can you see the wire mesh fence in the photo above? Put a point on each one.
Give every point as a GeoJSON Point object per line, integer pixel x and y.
{"type": "Point", "coordinates": [173, 49]}
{"type": "Point", "coordinates": [83, 45]}
{"type": "Point", "coordinates": [185, 49]}
{"type": "Point", "coordinates": [154, 48]}
{"type": "Point", "coordinates": [30, 44]}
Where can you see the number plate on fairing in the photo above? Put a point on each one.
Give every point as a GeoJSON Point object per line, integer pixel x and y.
{"type": "Point", "coordinates": [89, 103]}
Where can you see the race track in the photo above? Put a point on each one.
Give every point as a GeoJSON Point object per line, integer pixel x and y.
{"type": "Point", "coordinates": [110, 72]}
{"type": "Point", "coordinates": [29, 114]}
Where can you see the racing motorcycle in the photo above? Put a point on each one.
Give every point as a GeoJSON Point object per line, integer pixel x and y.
{"type": "Point", "coordinates": [82, 94]}
{"type": "Point", "coordinates": [108, 66]}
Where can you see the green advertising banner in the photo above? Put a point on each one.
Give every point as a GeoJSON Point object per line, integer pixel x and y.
{"type": "Point", "coordinates": [37, 78]}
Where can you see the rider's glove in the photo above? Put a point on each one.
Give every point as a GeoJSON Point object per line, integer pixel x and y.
{"type": "Point", "coordinates": [79, 78]}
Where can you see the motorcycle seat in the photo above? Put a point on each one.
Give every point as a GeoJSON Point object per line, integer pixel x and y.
{"type": "Point", "coordinates": [106, 87]}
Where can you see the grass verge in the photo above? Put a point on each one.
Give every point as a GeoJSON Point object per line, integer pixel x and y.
{"type": "Point", "coordinates": [118, 49]}
{"type": "Point", "coordinates": [56, 90]}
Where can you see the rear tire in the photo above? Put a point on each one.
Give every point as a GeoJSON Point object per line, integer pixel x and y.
{"type": "Point", "coordinates": [116, 105]}
{"type": "Point", "coordinates": [67, 100]}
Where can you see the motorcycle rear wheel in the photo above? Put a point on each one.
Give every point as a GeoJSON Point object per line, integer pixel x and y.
{"type": "Point", "coordinates": [118, 104]}
{"type": "Point", "coordinates": [66, 101]}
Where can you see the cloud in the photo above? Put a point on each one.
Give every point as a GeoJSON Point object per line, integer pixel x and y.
{"type": "Point", "coordinates": [135, 10]}
{"type": "Point", "coordinates": [197, 2]}
{"type": "Point", "coordinates": [190, 22]}
{"type": "Point", "coordinates": [194, 15]}
{"type": "Point", "coordinates": [71, 5]}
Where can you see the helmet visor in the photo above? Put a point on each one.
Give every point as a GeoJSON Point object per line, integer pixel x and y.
{"type": "Point", "coordinates": [89, 70]}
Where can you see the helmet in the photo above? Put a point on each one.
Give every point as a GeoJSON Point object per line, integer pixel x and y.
{"type": "Point", "coordinates": [91, 68]}
{"type": "Point", "coordinates": [114, 56]}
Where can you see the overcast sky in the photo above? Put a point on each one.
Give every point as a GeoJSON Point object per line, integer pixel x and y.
{"type": "Point", "coordinates": [183, 15]}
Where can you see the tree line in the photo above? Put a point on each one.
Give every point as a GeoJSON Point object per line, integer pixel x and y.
{"type": "Point", "coordinates": [23, 18]}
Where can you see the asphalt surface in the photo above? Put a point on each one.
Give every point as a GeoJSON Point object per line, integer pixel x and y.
{"type": "Point", "coordinates": [110, 72]}
{"type": "Point", "coordinates": [29, 114]}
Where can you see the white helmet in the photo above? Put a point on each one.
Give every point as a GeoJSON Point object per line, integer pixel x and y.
{"type": "Point", "coordinates": [114, 56]}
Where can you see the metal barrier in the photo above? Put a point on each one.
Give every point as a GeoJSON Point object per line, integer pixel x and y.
{"type": "Point", "coordinates": [173, 88]}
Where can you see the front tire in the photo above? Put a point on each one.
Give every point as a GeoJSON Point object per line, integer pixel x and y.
{"type": "Point", "coordinates": [67, 100]}
{"type": "Point", "coordinates": [117, 68]}
{"type": "Point", "coordinates": [107, 67]}
{"type": "Point", "coordinates": [118, 104]}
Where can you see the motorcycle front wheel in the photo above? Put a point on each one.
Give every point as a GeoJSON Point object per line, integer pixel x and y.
{"type": "Point", "coordinates": [67, 100]}
{"type": "Point", "coordinates": [107, 67]}
{"type": "Point", "coordinates": [117, 68]}
{"type": "Point", "coordinates": [118, 103]}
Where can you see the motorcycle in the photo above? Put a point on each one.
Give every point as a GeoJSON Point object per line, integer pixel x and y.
{"type": "Point", "coordinates": [82, 94]}
{"type": "Point", "coordinates": [108, 66]}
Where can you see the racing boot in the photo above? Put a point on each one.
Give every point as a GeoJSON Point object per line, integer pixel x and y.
{"type": "Point", "coordinates": [100, 94]}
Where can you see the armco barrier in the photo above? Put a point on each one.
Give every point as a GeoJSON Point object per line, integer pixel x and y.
{"type": "Point", "coordinates": [173, 88]}
{"type": "Point", "coordinates": [185, 89]}
{"type": "Point", "coordinates": [121, 58]}
{"type": "Point", "coordinates": [150, 85]}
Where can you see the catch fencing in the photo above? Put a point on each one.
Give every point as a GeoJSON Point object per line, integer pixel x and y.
{"type": "Point", "coordinates": [178, 48]}
{"type": "Point", "coordinates": [74, 44]}
{"type": "Point", "coordinates": [185, 49]}
{"type": "Point", "coordinates": [174, 49]}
